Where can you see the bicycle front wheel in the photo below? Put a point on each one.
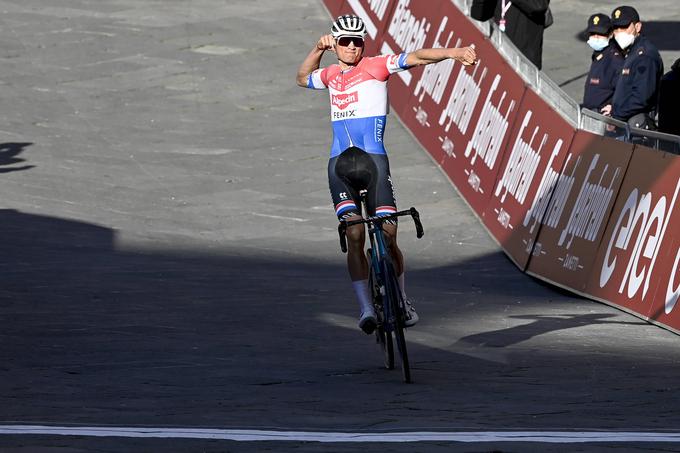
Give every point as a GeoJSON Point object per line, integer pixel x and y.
{"type": "Point", "coordinates": [382, 336]}
{"type": "Point", "coordinates": [396, 316]}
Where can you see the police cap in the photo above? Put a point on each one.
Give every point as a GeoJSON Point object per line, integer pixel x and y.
{"type": "Point", "coordinates": [623, 16]}
{"type": "Point", "coordinates": [600, 24]}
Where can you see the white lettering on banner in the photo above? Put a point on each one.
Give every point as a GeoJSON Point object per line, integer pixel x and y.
{"type": "Point", "coordinates": [407, 31]}
{"type": "Point", "coordinates": [436, 76]}
{"type": "Point", "coordinates": [588, 212]}
{"type": "Point", "coordinates": [371, 28]}
{"type": "Point", "coordinates": [463, 100]}
{"type": "Point", "coordinates": [638, 212]}
{"type": "Point", "coordinates": [522, 165]}
{"type": "Point", "coordinates": [490, 129]}
{"type": "Point", "coordinates": [673, 291]}
{"type": "Point", "coordinates": [379, 7]}
{"type": "Point", "coordinates": [561, 194]}
{"type": "Point", "coordinates": [545, 190]}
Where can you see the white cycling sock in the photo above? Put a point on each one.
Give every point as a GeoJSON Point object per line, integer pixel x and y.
{"type": "Point", "coordinates": [363, 295]}
{"type": "Point", "coordinates": [402, 285]}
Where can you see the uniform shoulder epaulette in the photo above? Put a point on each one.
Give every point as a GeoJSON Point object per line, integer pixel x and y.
{"type": "Point", "coordinates": [599, 57]}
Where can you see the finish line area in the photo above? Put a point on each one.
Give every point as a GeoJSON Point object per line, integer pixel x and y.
{"type": "Point", "coordinates": [253, 435]}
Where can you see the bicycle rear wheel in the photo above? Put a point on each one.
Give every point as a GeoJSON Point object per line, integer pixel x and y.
{"type": "Point", "coordinates": [382, 337]}
{"type": "Point", "coordinates": [396, 313]}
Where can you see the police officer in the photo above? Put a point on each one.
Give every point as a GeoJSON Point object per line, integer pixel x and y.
{"type": "Point", "coordinates": [607, 62]}
{"type": "Point", "coordinates": [636, 93]}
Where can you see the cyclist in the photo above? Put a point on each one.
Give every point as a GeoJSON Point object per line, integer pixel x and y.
{"type": "Point", "coordinates": [358, 93]}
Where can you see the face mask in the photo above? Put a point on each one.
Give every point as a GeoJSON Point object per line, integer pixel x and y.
{"type": "Point", "coordinates": [598, 43]}
{"type": "Point", "coordinates": [624, 39]}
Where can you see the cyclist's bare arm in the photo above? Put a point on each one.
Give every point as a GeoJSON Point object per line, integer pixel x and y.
{"type": "Point", "coordinates": [313, 60]}
{"type": "Point", "coordinates": [465, 55]}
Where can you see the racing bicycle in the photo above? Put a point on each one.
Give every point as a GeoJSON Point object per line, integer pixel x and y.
{"type": "Point", "coordinates": [387, 299]}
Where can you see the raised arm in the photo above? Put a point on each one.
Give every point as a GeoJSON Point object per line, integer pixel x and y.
{"type": "Point", "coordinates": [313, 60]}
{"type": "Point", "coordinates": [465, 55]}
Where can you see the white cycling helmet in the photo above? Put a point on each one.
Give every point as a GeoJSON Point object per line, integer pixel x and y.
{"type": "Point", "coordinates": [348, 25]}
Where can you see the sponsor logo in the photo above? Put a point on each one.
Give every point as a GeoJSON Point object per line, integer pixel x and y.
{"type": "Point", "coordinates": [421, 117]}
{"type": "Point", "coordinates": [522, 165]}
{"type": "Point", "coordinates": [588, 213]}
{"type": "Point", "coordinates": [474, 181]}
{"type": "Point", "coordinates": [643, 248]}
{"type": "Point", "coordinates": [407, 30]}
{"type": "Point", "coordinates": [543, 196]}
{"type": "Point", "coordinates": [448, 146]}
{"type": "Point", "coordinates": [379, 128]}
{"type": "Point", "coordinates": [504, 218]}
{"type": "Point", "coordinates": [570, 262]}
{"type": "Point", "coordinates": [342, 101]}
{"type": "Point", "coordinates": [490, 130]}
{"type": "Point", "coordinates": [673, 290]}
{"type": "Point", "coordinates": [343, 115]}
{"type": "Point", "coordinates": [379, 7]}
{"type": "Point", "coordinates": [436, 76]}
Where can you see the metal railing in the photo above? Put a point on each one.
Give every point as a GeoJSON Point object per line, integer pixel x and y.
{"type": "Point", "coordinates": [604, 125]}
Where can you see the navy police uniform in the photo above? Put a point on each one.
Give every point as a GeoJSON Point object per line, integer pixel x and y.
{"type": "Point", "coordinates": [637, 89]}
{"type": "Point", "coordinates": [605, 67]}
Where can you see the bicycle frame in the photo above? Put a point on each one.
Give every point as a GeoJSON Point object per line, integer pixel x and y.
{"type": "Point", "coordinates": [379, 246]}
{"type": "Point", "coordinates": [388, 301]}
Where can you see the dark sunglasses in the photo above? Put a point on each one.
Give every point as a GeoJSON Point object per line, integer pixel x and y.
{"type": "Point", "coordinates": [345, 40]}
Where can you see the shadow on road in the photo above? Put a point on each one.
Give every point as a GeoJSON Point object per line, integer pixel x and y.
{"type": "Point", "coordinates": [8, 156]}
{"type": "Point", "coordinates": [539, 325]}
{"type": "Point", "coordinates": [93, 333]}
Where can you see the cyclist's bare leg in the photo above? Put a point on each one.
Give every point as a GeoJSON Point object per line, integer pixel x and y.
{"type": "Point", "coordinates": [391, 239]}
{"type": "Point", "coordinates": [356, 258]}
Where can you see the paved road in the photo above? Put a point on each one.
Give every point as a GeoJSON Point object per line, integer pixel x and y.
{"type": "Point", "coordinates": [169, 256]}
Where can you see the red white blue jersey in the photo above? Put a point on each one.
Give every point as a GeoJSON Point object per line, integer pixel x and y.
{"type": "Point", "coordinates": [358, 101]}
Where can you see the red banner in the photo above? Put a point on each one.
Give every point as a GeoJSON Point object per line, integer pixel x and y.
{"type": "Point", "coordinates": [463, 115]}
{"type": "Point", "coordinates": [575, 220]}
{"type": "Point", "coordinates": [533, 161]}
{"type": "Point", "coordinates": [637, 265]}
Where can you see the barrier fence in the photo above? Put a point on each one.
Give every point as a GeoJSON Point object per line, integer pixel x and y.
{"type": "Point", "coordinates": [573, 198]}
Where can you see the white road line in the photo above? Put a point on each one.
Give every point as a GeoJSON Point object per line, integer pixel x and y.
{"type": "Point", "coordinates": [245, 435]}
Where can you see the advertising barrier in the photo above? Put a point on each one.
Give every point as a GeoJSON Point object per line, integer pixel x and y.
{"type": "Point", "coordinates": [537, 148]}
{"type": "Point", "coordinates": [576, 217]}
{"type": "Point", "coordinates": [636, 265]}
{"type": "Point", "coordinates": [463, 115]}
{"type": "Point", "coordinates": [588, 213]}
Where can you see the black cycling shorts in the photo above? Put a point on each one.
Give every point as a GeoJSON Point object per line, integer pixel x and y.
{"type": "Point", "coordinates": [354, 170]}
